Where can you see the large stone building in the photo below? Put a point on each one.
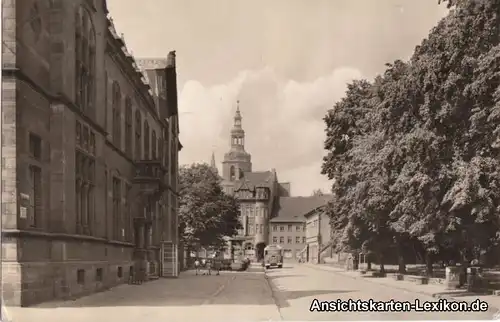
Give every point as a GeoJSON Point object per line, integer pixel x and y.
{"type": "Point", "coordinates": [265, 203]}
{"type": "Point", "coordinates": [89, 155]}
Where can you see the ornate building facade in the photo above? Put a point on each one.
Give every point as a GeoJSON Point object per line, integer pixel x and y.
{"type": "Point", "coordinates": [266, 205]}
{"type": "Point", "coordinates": [89, 154]}
{"type": "Point", "coordinates": [257, 191]}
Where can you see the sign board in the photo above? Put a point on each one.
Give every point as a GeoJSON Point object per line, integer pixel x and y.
{"type": "Point", "coordinates": [23, 212]}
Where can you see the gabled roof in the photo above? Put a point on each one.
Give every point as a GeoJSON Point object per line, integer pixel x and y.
{"type": "Point", "coordinates": [294, 209]}
{"type": "Point", "coordinates": [251, 180]}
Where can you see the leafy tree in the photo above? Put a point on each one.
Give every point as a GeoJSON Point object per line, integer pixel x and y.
{"type": "Point", "coordinates": [206, 213]}
{"type": "Point", "coordinates": [413, 154]}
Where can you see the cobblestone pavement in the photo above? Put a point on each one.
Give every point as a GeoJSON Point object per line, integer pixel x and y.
{"type": "Point", "coordinates": [295, 287]}
{"type": "Point", "coordinates": [238, 296]}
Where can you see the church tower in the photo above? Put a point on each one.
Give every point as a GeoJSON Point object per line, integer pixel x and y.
{"type": "Point", "coordinates": [212, 163]}
{"type": "Point", "coordinates": [237, 161]}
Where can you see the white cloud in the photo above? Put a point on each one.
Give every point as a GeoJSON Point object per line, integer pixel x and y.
{"type": "Point", "coordinates": [282, 120]}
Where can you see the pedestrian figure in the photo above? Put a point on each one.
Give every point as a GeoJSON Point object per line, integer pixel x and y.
{"type": "Point", "coordinates": [214, 263]}
{"type": "Point", "coordinates": [204, 264]}
{"type": "Point", "coordinates": [197, 265]}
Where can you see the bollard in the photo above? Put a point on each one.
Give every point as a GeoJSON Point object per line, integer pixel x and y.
{"type": "Point", "coordinates": [452, 279]}
{"type": "Point", "coordinates": [473, 281]}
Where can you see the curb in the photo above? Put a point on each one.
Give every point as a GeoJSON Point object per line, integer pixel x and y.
{"type": "Point", "coordinates": [274, 292]}
{"type": "Point", "coordinates": [491, 309]}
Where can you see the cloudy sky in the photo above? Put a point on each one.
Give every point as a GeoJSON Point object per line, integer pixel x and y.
{"type": "Point", "coordinates": [287, 61]}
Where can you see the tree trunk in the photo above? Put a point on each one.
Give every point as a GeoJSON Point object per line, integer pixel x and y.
{"type": "Point", "coordinates": [402, 264]}
{"type": "Point", "coordinates": [382, 266]}
{"type": "Point", "coordinates": [401, 261]}
{"type": "Point", "coordinates": [429, 262]}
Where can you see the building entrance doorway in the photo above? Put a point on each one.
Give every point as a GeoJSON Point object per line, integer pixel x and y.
{"type": "Point", "coordinates": [259, 249]}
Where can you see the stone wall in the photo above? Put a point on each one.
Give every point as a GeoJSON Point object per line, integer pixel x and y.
{"type": "Point", "coordinates": [53, 272]}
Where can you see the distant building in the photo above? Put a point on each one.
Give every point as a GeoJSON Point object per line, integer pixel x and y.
{"type": "Point", "coordinates": [289, 226]}
{"type": "Point", "coordinates": [89, 155]}
{"type": "Point", "coordinates": [318, 234]}
{"type": "Point", "coordinates": [267, 209]}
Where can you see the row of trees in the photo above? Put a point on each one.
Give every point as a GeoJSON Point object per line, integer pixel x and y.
{"type": "Point", "coordinates": [414, 154]}
{"type": "Point", "coordinates": [206, 213]}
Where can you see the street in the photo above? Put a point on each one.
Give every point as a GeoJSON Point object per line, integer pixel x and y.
{"type": "Point", "coordinates": [246, 296]}
{"type": "Point", "coordinates": [295, 287]}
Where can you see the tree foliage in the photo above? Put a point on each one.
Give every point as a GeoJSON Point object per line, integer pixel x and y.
{"type": "Point", "coordinates": [414, 154]}
{"type": "Point", "coordinates": [206, 213]}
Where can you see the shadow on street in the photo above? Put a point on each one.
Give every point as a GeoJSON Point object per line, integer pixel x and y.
{"type": "Point", "coordinates": [238, 288]}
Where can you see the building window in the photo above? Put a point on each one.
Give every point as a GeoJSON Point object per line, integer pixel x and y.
{"type": "Point", "coordinates": [160, 151]}
{"type": "Point", "coordinates": [117, 196]}
{"type": "Point", "coordinates": [261, 229]}
{"type": "Point", "coordinates": [166, 150]}
{"type": "Point", "coordinates": [84, 179]}
{"type": "Point", "coordinates": [119, 272]}
{"type": "Point", "coordinates": [250, 229]}
{"type": "Point", "coordinates": [153, 145]}
{"type": "Point", "coordinates": [98, 275]}
{"type": "Point", "coordinates": [297, 240]}
{"type": "Point", "coordinates": [106, 103]}
{"type": "Point", "coordinates": [138, 132]}
{"type": "Point", "coordinates": [116, 105]}
{"type": "Point", "coordinates": [84, 61]}
{"type": "Point", "coordinates": [35, 21]}
{"type": "Point", "coordinates": [146, 140]}
{"type": "Point", "coordinates": [84, 191]}
{"type": "Point", "coordinates": [282, 228]}
{"type": "Point", "coordinates": [35, 195]}
{"type": "Point", "coordinates": [80, 276]}
{"type": "Point", "coordinates": [282, 240]}
{"type": "Point", "coordinates": [289, 228]}
{"type": "Point", "coordinates": [289, 240]}
{"type": "Point", "coordinates": [128, 212]}
{"type": "Point", "coordinates": [275, 240]}
{"type": "Point", "coordinates": [35, 143]}
{"type": "Point", "coordinates": [232, 173]}
{"type": "Point", "coordinates": [303, 240]}
{"type": "Point", "coordinates": [128, 127]}
{"type": "Point", "coordinates": [297, 228]}
{"type": "Point", "coordinates": [275, 228]}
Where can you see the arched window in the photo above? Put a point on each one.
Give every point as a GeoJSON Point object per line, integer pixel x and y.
{"type": "Point", "coordinates": [138, 132]}
{"type": "Point", "coordinates": [84, 61]}
{"type": "Point", "coordinates": [153, 145]}
{"type": "Point", "coordinates": [146, 140]}
{"type": "Point", "coordinates": [232, 174]}
{"type": "Point", "coordinates": [128, 126]}
{"type": "Point", "coordinates": [117, 97]}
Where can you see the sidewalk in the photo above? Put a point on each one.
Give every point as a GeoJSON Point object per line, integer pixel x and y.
{"type": "Point", "coordinates": [434, 290]}
{"type": "Point", "coordinates": [225, 297]}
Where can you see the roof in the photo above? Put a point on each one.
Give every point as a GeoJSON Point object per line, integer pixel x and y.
{"type": "Point", "coordinates": [251, 180]}
{"type": "Point", "coordinates": [294, 209]}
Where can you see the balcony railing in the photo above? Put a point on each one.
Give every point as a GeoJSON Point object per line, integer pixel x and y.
{"type": "Point", "coordinates": [152, 170]}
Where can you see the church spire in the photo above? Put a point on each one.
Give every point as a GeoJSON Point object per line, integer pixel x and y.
{"type": "Point", "coordinates": [212, 162]}
{"type": "Point", "coordinates": [237, 116]}
{"type": "Point", "coordinates": [237, 133]}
